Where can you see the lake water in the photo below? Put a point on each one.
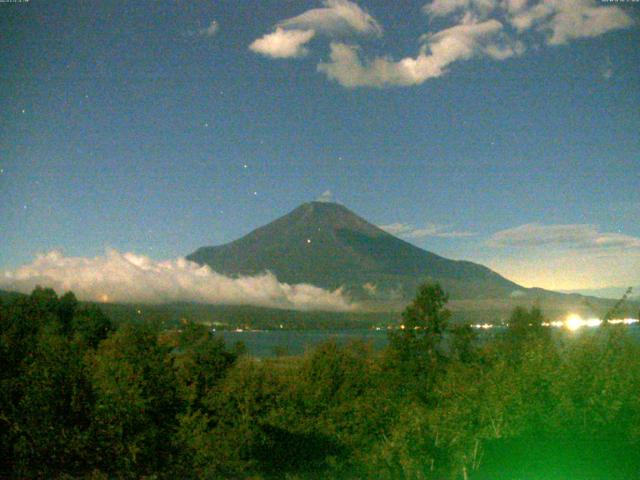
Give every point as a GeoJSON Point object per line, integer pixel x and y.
{"type": "Point", "coordinates": [266, 343]}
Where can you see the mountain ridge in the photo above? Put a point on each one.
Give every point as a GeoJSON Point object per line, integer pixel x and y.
{"type": "Point", "coordinates": [330, 246]}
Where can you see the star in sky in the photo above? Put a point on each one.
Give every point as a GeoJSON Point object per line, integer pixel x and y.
{"type": "Point", "coordinates": [376, 107]}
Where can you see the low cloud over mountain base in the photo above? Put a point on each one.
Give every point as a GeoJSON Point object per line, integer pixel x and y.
{"type": "Point", "coordinates": [129, 278]}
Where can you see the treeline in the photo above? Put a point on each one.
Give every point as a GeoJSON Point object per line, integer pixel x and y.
{"type": "Point", "coordinates": [230, 317]}
{"type": "Point", "coordinates": [82, 399]}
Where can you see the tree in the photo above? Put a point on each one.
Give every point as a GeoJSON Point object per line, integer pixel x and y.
{"type": "Point", "coordinates": [136, 403]}
{"type": "Point", "coordinates": [90, 325]}
{"type": "Point", "coordinates": [53, 416]}
{"type": "Point", "coordinates": [526, 325]}
{"type": "Point", "coordinates": [201, 360]}
{"type": "Point", "coordinates": [42, 371]}
{"type": "Point", "coordinates": [417, 347]}
{"type": "Point", "coordinates": [463, 344]}
{"type": "Point", "coordinates": [67, 305]}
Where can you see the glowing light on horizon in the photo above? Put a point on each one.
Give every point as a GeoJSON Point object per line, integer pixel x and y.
{"type": "Point", "coordinates": [575, 321]}
{"type": "Point", "coordinates": [483, 326]}
{"type": "Point", "coordinates": [556, 324]}
{"type": "Point", "coordinates": [624, 321]}
{"type": "Point", "coordinates": [593, 322]}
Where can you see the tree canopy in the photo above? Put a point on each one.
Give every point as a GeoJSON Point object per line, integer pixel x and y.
{"type": "Point", "coordinates": [82, 398]}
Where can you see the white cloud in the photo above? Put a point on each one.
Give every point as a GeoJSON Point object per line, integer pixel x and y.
{"type": "Point", "coordinates": [430, 230]}
{"type": "Point", "coordinates": [470, 38]}
{"type": "Point", "coordinates": [574, 19]}
{"type": "Point", "coordinates": [479, 31]}
{"type": "Point", "coordinates": [127, 277]}
{"type": "Point", "coordinates": [561, 20]}
{"type": "Point", "coordinates": [566, 236]}
{"type": "Point", "coordinates": [524, 19]}
{"type": "Point", "coordinates": [564, 256]}
{"type": "Point", "coordinates": [283, 43]}
{"type": "Point", "coordinates": [513, 6]}
{"type": "Point", "coordinates": [443, 8]}
{"type": "Point", "coordinates": [337, 16]}
{"type": "Point", "coordinates": [565, 20]}
{"type": "Point", "coordinates": [211, 30]}
{"type": "Point", "coordinates": [326, 197]}
{"type": "Point", "coordinates": [461, 42]}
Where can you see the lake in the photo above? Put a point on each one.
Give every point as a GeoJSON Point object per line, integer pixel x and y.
{"type": "Point", "coordinates": [265, 343]}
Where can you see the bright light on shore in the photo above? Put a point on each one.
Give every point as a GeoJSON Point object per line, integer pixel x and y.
{"type": "Point", "coordinates": [624, 321]}
{"type": "Point", "coordinates": [483, 326]}
{"type": "Point", "coordinates": [575, 321]}
{"type": "Point", "coordinates": [572, 322]}
{"type": "Point", "coordinates": [556, 324]}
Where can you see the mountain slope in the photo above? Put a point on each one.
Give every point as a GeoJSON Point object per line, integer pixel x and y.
{"type": "Point", "coordinates": [328, 245]}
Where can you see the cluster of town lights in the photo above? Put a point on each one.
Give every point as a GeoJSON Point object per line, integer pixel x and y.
{"type": "Point", "coordinates": [572, 323]}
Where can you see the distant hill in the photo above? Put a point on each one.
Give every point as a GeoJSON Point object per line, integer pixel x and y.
{"type": "Point", "coordinates": [328, 245]}
{"type": "Point", "coordinates": [608, 292]}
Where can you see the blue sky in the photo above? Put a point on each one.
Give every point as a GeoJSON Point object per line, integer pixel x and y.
{"type": "Point", "coordinates": [503, 132]}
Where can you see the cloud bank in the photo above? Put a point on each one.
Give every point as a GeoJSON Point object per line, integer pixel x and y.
{"type": "Point", "coordinates": [337, 17]}
{"type": "Point", "coordinates": [131, 278]}
{"type": "Point", "coordinates": [407, 230]}
{"type": "Point", "coordinates": [563, 20]}
{"type": "Point", "coordinates": [493, 29]}
{"type": "Point", "coordinates": [565, 236]}
{"type": "Point", "coordinates": [461, 42]}
{"type": "Point", "coordinates": [565, 256]}
{"type": "Point", "coordinates": [559, 21]}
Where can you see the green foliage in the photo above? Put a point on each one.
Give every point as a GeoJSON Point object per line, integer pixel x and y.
{"type": "Point", "coordinates": [522, 321]}
{"type": "Point", "coordinates": [417, 349]}
{"type": "Point", "coordinates": [67, 305]}
{"type": "Point", "coordinates": [463, 344]}
{"type": "Point", "coordinates": [233, 433]}
{"type": "Point", "coordinates": [90, 325]}
{"type": "Point", "coordinates": [137, 401]}
{"type": "Point", "coordinates": [81, 399]}
{"type": "Point", "coordinates": [45, 396]}
{"type": "Point", "coordinates": [338, 390]}
{"type": "Point", "coordinates": [51, 418]}
{"type": "Point", "coordinates": [525, 325]}
{"type": "Point", "coordinates": [201, 361]}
